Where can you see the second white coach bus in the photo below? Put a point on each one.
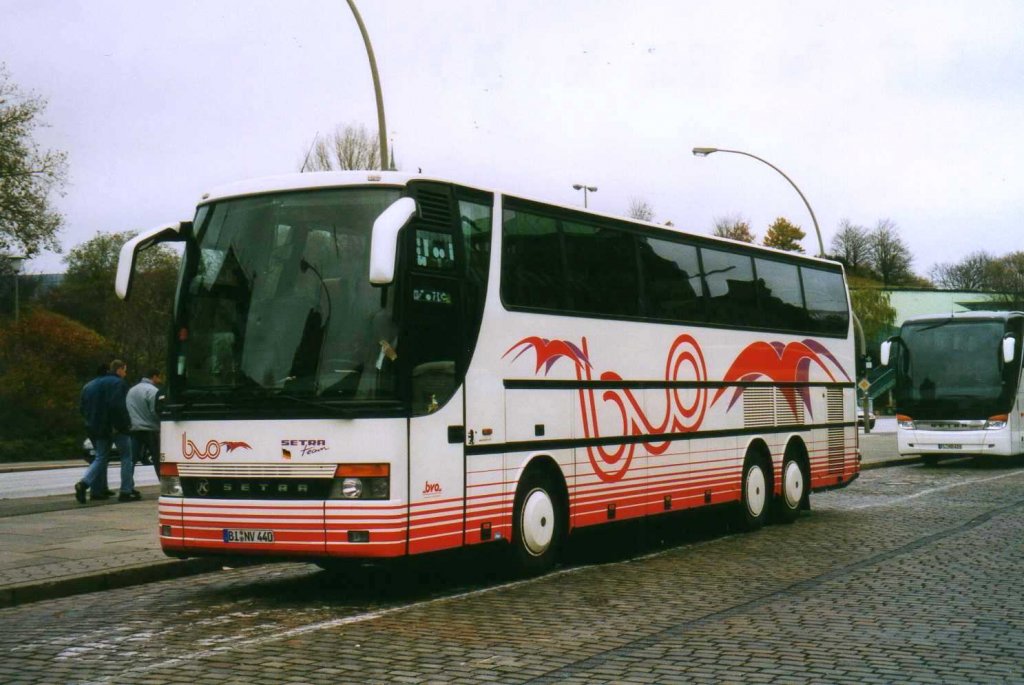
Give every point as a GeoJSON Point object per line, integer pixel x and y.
{"type": "Point", "coordinates": [370, 365]}
{"type": "Point", "coordinates": [958, 384]}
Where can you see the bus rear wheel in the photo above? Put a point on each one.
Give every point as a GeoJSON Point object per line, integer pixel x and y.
{"type": "Point", "coordinates": [755, 493]}
{"type": "Point", "coordinates": [538, 525]}
{"type": "Point", "coordinates": [794, 490]}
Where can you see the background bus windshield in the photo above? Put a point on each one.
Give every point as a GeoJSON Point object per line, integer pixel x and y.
{"type": "Point", "coordinates": [277, 300]}
{"type": "Point", "coordinates": [950, 366]}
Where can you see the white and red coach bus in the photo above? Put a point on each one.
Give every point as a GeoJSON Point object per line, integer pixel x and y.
{"type": "Point", "coordinates": [369, 365]}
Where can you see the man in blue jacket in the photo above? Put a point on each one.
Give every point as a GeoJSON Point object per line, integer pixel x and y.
{"type": "Point", "coordinates": [105, 411]}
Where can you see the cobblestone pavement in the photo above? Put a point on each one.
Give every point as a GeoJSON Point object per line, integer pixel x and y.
{"type": "Point", "coordinates": [911, 575]}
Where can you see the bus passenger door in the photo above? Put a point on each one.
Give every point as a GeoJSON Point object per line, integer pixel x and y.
{"type": "Point", "coordinates": [436, 473]}
{"type": "Point", "coordinates": [429, 352]}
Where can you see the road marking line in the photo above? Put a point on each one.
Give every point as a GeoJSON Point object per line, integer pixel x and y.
{"type": "Point", "coordinates": [320, 625]}
{"type": "Point", "coordinates": [929, 491]}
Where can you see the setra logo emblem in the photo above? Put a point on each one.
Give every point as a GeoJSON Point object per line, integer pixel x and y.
{"type": "Point", "coordinates": [190, 450]}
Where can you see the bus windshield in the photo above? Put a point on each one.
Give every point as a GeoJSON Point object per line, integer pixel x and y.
{"type": "Point", "coordinates": [276, 300]}
{"type": "Point", "coordinates": [950, 366]}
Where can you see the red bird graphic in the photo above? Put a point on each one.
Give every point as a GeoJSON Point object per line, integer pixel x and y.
{"type": "Point", "coordinates": [232, 445]}
{"type": "Point", "coordinates": [788, 363]}
{"type": "Point", "coordinates": [549, 351]}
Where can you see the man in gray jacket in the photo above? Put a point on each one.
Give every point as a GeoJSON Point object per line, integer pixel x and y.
{"type": "Point", "coordinates": [145, 429]}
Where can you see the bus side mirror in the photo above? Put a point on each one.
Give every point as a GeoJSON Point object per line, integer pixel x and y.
{"type": "Point", "coordinates": [884, 351]}
{"type": "Point", "coordinates": [168, 233]}
{"type": "Point", "coordinates": [384, 239]}
{"type": "Point", "coordinates": [1009, 348]}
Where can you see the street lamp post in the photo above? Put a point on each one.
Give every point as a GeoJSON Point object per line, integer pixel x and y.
{"type": "Point", "coordinates": [382, 132]}
{"type": "Point", "coordinates": [705, 151]}
{"type": "Point", "coordinates": [585, 189]}
{"type": "Point", "coordinates": [16, 261]}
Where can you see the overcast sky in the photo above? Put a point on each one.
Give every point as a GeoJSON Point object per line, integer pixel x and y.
{"type": "Point", "coordinates": [907, 111]}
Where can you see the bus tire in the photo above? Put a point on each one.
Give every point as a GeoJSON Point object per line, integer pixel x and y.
{"type": "Point", "coordinates": [755, 492]}
{"type": "Point", "coordinates": [538, 525]}
{"type": "Point", "coordinates": [793, 491]}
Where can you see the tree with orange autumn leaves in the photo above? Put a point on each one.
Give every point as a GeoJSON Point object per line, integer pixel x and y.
{"type": "Point", "coordinates": [44, 358]}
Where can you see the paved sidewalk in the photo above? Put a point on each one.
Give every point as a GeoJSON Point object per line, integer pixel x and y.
{"type": "Point", "coordinates": [53, 547]}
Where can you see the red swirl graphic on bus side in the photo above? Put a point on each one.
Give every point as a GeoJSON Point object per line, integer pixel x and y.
{"type": "Point", "coordinates": [684, 408]}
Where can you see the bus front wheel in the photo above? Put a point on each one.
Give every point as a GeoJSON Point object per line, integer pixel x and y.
{"type": "Point", "coordinates": [538, 525]}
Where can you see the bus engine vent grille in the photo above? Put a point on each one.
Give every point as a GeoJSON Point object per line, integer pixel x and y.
{"type": "Point", "coordinates": [836, 436]}
{"type": "Point", "coordinates": [789, 407]}
{"type": "Point", "coordinates": [834, 408]}
{"type": "Point", "coordinates": [758, 408]}
{"type": "Point", "coordinates": [836, 450]}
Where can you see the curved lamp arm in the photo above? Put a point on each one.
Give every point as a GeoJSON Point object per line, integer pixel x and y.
{"type": "Point", "coordinates": [705, 151]}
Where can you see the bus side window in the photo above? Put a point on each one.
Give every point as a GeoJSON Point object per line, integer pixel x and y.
{"type": "Point", "coordinates": [672, 282]}
{"type": "Point", "coordinates": [780, 296]}
{"type": "Point", "coordinates": [531, 273]}
{"type": "Point", "coordinates": [825, 295]}
{"type": "Point", "coordinates": [730, 280]}
{"type": "Point", "coordinates": [601, 269]}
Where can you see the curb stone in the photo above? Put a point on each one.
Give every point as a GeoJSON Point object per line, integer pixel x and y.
{"type": "Point", "coordinates": [109, 579]}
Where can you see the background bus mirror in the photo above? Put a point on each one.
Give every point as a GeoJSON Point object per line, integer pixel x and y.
{"type": "Point", "coordinates": [1009, 349]}
{"type": "Point", "coordinates": [384, 240]}
{"type": "Point", "coordinates": [168, 233]}
{"type": "Point", "coordinates": [884, 351]}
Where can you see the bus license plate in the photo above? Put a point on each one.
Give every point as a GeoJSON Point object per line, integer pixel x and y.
{"type": "Point", "coordinates": [245, 535]}
{"type": "Point", "coordinates": [951, 447]}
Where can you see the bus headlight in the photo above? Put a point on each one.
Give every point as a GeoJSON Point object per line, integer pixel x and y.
{"type": "Point", "coordinates": [170, 481]}
{"type": "Point", "coordinates": [361, 481]}
{"type": "Point", "coordinates": [170, 486]}
{"type": "Point", "coordinates": [352, 488]}
{"type": "Point", "coordinates": [905, 422]}
{"type": "Point", "coordinates": [996, 422]}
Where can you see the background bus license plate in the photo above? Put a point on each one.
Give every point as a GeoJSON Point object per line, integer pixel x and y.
{"type": "Point", "coordinates": [243, 535]}
{"type": "Point", "coordinates": [951, 447]}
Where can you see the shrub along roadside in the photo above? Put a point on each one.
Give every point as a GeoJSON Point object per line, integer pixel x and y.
{"type": "Point", "coordinates": [44, 449]}
{"type": "Point", "coordinates": [44, 360]}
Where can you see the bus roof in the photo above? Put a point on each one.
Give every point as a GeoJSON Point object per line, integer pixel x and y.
{"type": "Point", "coordinates": [979, 315]}
{"type": "Point", "coordinates": [312, 180]}
{"type": "Point", "coordinates": [398, 179]}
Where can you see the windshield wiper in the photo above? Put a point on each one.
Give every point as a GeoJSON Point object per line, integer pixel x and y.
{"type": "Point", "coordinates": [303, 267]}
{"type": "Point", "coordinates": [940, 324]}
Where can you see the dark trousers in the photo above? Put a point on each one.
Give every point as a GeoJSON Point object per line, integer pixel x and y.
{"type": "Point", "coordinates": [146, 445]}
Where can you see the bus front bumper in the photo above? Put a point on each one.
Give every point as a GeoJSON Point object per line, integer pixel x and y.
{"type": "Point", "coordinates": [994, 442]}
{"type": "Point", "coordinates": [280, 529]}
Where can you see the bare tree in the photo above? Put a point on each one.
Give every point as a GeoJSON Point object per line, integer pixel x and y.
{"type": "Point", "coordinates": [889, 255]}
{"type": "Point", "coordinates": [852, 244]}
{"type": "Point", "coordinates": [349, 147]}
{"type": "Point", "coordinates": [973, 272]}
{"type": "Point", "coordinates": [1007, 280]}
{"type": "Point", "coordinates": [640, 209]}
{"type": "Point", "coordinates": [734, 227]}
{"type": "Point", "coordinates": [29, 177]}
